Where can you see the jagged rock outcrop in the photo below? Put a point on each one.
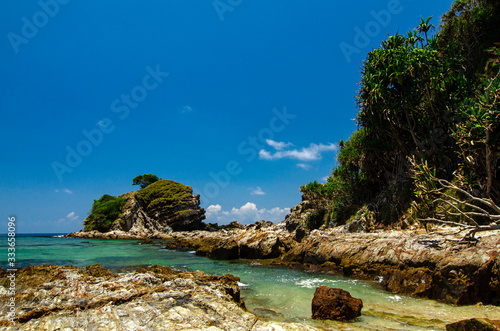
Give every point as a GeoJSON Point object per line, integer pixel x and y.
{"type": "Point", "coordinates": [52, 297]}
{"type": "Point", "coordinates": [256, 241]}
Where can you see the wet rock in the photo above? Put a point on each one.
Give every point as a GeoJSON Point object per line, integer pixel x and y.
{"type": "Point", "coordinates": [412, 281]}
{"type": "Point", "coordinates": [228, 250]}
{"type": "Point", "coordinates": [475, 324]}
{"type": "Point", "coordinates": [335, 304]}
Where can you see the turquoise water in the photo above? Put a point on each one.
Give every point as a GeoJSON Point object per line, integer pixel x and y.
{"type": "Point", "coordinates": [274, 294]}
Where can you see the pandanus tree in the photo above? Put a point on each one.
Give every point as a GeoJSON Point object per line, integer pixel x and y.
{"type": "Point", "coordinates": [404, 88]}
{"type": "Point", "coordinates": [472, 199]}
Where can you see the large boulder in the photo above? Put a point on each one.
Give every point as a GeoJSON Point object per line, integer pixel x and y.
{"type": "Point", "coordinates": [335, 304]}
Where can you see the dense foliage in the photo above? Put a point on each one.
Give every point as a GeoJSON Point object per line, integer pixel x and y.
{"type": "Point", "coordinates": [144, 180]}
{"type": "Point", "coordinates": [428, 99]}
{"type": "Point", "coordinates": [164, 194]}
{"type": "Point", "coordinates": [105, 211]}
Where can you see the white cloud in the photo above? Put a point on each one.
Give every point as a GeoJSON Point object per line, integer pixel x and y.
{"type": "Point", "coordinates": [246, 214]}
{"type": "Point", "coordinates": [304, 166]}
{"type": "Point", "coordinates": [305, 154]}
{"type": "Point", "coordinates": [278, 145]}
{"type": "Point", "coordinates": [213, 210]}
{"type": "Point", "coordinates": [186, 109]}
{"type": "Point", "coordinates": [256, 191]}
{"type": "Point", "coordinates": [70, 217]}
{"type": "Point", "coordinates": [64, 190]}
{"type": "Point", "coordinates": [265, 155]}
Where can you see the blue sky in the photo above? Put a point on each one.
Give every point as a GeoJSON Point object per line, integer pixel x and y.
{"type": "Point", "coordinates": [242, 100]}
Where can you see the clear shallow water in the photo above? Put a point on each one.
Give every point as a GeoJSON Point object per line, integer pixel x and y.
{"type": "Point", "coordinates": [274, 294]}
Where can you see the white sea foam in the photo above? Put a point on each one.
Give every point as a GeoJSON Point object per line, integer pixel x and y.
{"type": "Point", "coordinates": [312, 282]}
{"type": "Point", "coordinates": [395, 298]}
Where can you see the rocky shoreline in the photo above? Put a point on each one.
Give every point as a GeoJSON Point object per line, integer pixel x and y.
{"type": "Point", "coordinates": [50, 297]}
{"type": "Point", "coordinates": [411, 262]}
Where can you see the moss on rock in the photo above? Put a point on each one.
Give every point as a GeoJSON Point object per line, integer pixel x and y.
{"type": "Point", "coordinates": [171, 203]}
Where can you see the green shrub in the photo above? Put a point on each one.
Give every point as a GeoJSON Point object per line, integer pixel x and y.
{"type": "Point", "coordinates": [105, 211]}
{"type": "Point", "coordinates": [145, 180]}
{"type": "Point", "coordinates": [164, 194]}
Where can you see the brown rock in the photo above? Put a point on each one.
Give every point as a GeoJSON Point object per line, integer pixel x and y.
{"type": "Point", "coordinates": [228, 250]}
{"type": "Point", "coordinates": [97, 270]}
{"type": "Point", "coordinates": [260, 245]}
{"type": "Point", "coordinates": [232, 225]}
{"type": "Point", "coordinates": [414, 281]}
{"type": "Point", "coordinates": [335, 304]}
{"type": "Point", "coordinates": [475, 324]}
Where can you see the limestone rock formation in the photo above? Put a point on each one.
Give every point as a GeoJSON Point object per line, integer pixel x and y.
{"type": "Point", "coordinates": [335, 304]}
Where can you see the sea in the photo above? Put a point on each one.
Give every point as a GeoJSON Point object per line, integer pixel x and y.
{"type": "Point", "coordinates": [272, 293]}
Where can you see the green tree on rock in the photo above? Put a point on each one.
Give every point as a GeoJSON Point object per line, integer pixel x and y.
{"type": "Point", "coordinates": [105, 211]}
{"type": "Point", "coordinates": [145, 180]}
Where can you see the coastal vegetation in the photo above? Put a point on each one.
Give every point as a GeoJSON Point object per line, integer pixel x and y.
{"type": "Point", "coordinates": [145, 180]}
{"type": "Point", "coordinates": [427, 145]}
{"type": "Point", "coordinates": [164, 194]}
{"type": "Point", "coordinates": [105, 211]}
